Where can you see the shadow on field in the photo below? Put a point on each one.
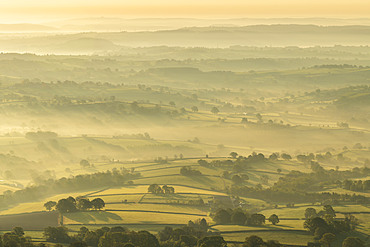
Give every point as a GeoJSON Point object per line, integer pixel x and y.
{"type": "Point", "coordinates": [202, 179]}
{"type": "Point", "coordinates": [93, 216]}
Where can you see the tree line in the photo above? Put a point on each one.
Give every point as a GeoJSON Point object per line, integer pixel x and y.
{"type": "Point", "coordinates": [45, 188]}
{"type": "Point", "coordinates": [70, 204]}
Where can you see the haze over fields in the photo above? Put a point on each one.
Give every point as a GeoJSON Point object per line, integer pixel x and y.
{"type": "Point", "coordinates": [184, 124]}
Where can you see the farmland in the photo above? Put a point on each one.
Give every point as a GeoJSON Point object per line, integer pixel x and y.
{"type": "Point", "coordinates": [200, 136]}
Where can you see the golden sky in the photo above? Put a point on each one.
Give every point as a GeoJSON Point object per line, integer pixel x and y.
{"type": "Point", "coordinates": [48, 9]}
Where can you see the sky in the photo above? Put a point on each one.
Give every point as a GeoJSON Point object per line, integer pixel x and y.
{"type": "Point", "coordinates": [43, 10]}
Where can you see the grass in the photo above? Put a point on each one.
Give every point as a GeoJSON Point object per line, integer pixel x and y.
{"type": "Point", "coordinates": [282, 237]}
{"type": "Point", "coordinates": [162, 208]}
{"type": "Point", "coordinates": [127, 218]}
{"type": "Point", "coordinates": [144, 189]}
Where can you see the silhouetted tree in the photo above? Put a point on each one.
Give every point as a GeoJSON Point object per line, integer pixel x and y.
{"type": "Point", "coordinates": [234, 155]}
{"type": "Point", "coordinates": [18, 231]}
{"type": "Point", "coordinates": [238, 218]}
{"type": "Point", "coordinates": [49, 205]}
{"type": "Point", "coordinates": [222, 217]}
{"type": "Point", "coordinates": [84, 163]}
{"type": "Point", "coordinates": [212, 241]}
{"type": "Point", "coordinates": [215, 110]}
{"type": "Point", "coordinates": [327, 239]}
{"type": "Point", "coordinates": [98, 203]}
{"type": "Point", "coordinates": [66, 206]}
{"type": "Point", "coordinates": [353, 242]}
{"type": "Point", "coordinates": [253, 241]}
{"type": "Point", "coordinates": [274, 219]}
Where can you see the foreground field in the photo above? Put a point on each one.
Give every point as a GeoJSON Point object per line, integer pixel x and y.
{"type": "Point", "coordinates": [132, 206]}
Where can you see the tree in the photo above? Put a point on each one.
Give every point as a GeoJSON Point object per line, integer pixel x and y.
{"type": "Point", "coordinates": [274, 219]}
{"type": "Point", "coordinates": [194, 109]}
{"type": "Point", "coordinates": [49, 205]}
{"type": "Point", "coordinates": [155, 189]}
{"type": "Point", "coordinates": [273, 157]}
{"type": "Point", "coordinates": [212, 241]}
{"type": "Point", "coordinates": [286, 156]}
{"type": "Point", "coordinates": [84, 163]}
{"type": "Point", "coordinates": [253, 241]}
{"type": "Point", "coordinates": [327, 239]}
{"type": "Point", "coordinates": [18, 231]}
{"type": "Point", "coordinates": [310, 213]}
{"type": "Point", "coordinates": [238, 218]}
{"type": "Point", "coordinates": [259, 118]}
{"type": "Point", "coordinates": [329, 210]}
{"type": "Point", "coordinates": [234, 155]}
{"type": "Point", "coordinates": [202, 162]}
{"type": "Point", "coordinates": [56, 234]}
{"type": "Point", "coordinates": [312, 224]}
{"type": "Point", "coordinates": [256, 220]}
{"type": "Point", "coordinates": [66, 206]}
{"type": "Point", "coordinates": [188, 240]}
{"type": "Point", "coordinates": [215, 110]}
{"type": "Point", "coordinates": [353, 242]}
{"type": "Point", "coordinates": [98, 203]}
{"type": "Point", "coordinates": [203, 224]}
{"type": "Point", "coordinates": [84, 204]}
{"type": "Point", "coordinates": [222, 217]}
{"type": "Point", "coordinates": [168, 189]}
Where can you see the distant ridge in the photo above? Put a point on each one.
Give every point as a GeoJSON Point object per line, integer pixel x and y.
{"type": "Point", "coordinates": [151, 24]}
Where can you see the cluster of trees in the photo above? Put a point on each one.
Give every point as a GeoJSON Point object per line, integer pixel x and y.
{"type": "Point", "coordinates": [326, 240]}
{"type": "Point", "coordinates": [307, 182]}
{"type": "Point", "coordinates": [312, 213]}
{"type": "Point", "coordinates": [324, 225]}
{"type": "Point", "coordinates": [71, 204]}
{"type": "Point", "coordinates": [189, 234]}
{"type": "Point", "coordinates": [140, 136]}
{"type": "Point", "coordinates": [188, 171]}
{"type": "Point", "coordinates": [238, 164]}
{"type": "Point", "coordinates": [240, 217]}
{"type": "Point", "coordinates": [298, 187]}
{"type": "Point", "coordinates": [165, 189]}
{"type": "Point", "coordinates": [255, 241]}
{"type": "Point", "coordinates": [16, 238]}
{"type": "Point", "coordinates": [116, 177]}
{"type": "Point", "coordinates": [216, 163]}
{"type": "Point", "coordinates": [108, 105]}
{"type": "Point", "coordinates": [194, 234]}
{"type": "Point", "coordinates": [283, 195]}
{"type": "Point", "coordinates": [355, 185]}
{"type": "Point", "coordinates": [327, 157]}
{"type": "Point", "coordinates": [41, 135]}
{"type": "Point", "coordinates": [103, 237]}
